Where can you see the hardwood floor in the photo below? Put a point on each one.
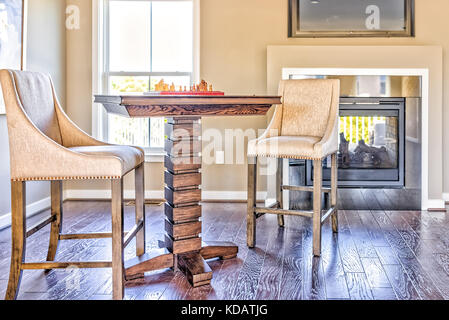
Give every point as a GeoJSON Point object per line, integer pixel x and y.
{"type": "Point", "coordinates": [376, 255]}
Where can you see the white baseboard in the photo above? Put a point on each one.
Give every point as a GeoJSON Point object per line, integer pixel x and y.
{"type": "Point", "coordinates": [270, 202]}
{"type": "Point", "coordinates": [435, 203]}
{"type": "Point", "coordinates": [31, 210]}
{"type": "Point", "coordinates": [156, 194]}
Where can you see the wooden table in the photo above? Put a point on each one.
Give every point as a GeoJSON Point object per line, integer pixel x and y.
{"type": "Point", "coordinates": [184, 249]}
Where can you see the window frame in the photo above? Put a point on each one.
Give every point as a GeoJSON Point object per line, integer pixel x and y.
{"type": "Point", "coordinates": [101, 72]}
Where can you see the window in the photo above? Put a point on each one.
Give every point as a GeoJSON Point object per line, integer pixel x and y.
{"type": "Point", "coordinates": [144, 42]}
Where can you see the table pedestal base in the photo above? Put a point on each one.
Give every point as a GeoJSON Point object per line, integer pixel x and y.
{"type": "Point", "coordinates": [192, 264]}
{"type": "Point", "coordinates": [184, 249]}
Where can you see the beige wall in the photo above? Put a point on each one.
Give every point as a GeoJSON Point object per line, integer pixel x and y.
{"type": "Point", "coordinates": [234, 39]}
{"type": "Point", "coordinates": [79, 67]}
{"type": "Point", "coordinates": [46, 41]}
{"type": "Point", "coordinates": [45, 52]}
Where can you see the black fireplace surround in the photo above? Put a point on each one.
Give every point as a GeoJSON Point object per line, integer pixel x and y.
{"type": "Point", "coordinates": [371, 144]}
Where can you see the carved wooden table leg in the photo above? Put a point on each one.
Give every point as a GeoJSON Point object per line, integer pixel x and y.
{"type": "Point", "coordinates": [183, 210]}
{"type": "Point", "coordinates": [183, 194]}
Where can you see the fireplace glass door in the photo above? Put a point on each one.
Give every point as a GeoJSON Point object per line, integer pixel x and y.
{"type": "Point", "coordinates": [368, 139]}
{"type": "Point", "coordinates": [371, 144]}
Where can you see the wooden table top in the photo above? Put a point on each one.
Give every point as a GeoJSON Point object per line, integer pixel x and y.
{"type": "Point", "coordinates": [178, 106]}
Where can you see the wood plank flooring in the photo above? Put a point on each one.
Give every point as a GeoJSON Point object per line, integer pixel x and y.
{"type": "Point", "coordinates": [377, 255]}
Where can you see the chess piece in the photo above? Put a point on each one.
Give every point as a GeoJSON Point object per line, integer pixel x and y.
{"type": "Point", "coordinates": [203, 86]}
{"type": "Point", "coordinates": [172, 87]}
{"type": "Point", "coordinates": [211, 89]}
{"type": "Point", "coordinates": [160, 85]}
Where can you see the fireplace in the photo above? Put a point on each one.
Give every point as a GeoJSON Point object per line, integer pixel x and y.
{"type": "Point", "coordinates": [371, 144]}
{"type": "Point", "coordinates": [410, 190]}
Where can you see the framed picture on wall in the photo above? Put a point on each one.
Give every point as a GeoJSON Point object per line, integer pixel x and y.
{"type": "Point", "coordinates": [351, 18]}
{"type": "Point", "coordinates": [12, 37]}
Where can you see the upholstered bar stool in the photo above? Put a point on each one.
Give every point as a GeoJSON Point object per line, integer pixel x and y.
{"type": "Point", "coordinates": [305, 126]}
{"type": "Point", "coordinates": [45, 145]}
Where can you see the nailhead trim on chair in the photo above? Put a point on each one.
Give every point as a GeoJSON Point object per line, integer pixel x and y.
{"type": "Point", "coordinates": [288, 157]}
{"type": "Point", "coordinates": [65, 178]}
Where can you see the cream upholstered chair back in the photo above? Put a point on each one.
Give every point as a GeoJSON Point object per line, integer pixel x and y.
{"type": "Point", "coordinates": [35, 94]}
{"type": "Point", "coordinates": [310, 107]}
{"type": "Point", "coordinates": [40, 132]}
{"type": "Point", "coordinates": [31, 102]}
{"type": "Point", "coordinates": [305, 125]}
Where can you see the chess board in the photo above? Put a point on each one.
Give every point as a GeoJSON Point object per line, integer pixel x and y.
{"type": "Point", "coordinates": [192, 93]}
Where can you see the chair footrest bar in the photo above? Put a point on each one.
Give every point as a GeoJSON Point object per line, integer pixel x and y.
{"type": "Point", "coordinates": [328, 214]}
{"type": "Point", "coordinates": [79, 236]}
{"type": "Point", "coordinates": [274, 205]}
{"type": "Point", "coordinates": [259, 210]}
{"type": "Point", "coordinates": [40, 225]}
{"type": "Point", "coordinates": [304, 188]}
{"type": "Point", "coordinates": [86, 236]}
{"type": "Point", "coordinates": [131, 234]}
{"type": "Point", "coordinates": [65, 265]}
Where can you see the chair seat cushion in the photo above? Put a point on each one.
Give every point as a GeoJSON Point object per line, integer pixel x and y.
{"type": "Point", "coordinates": [286, 147]}
{"type": "Point", "coordinates": [131, 157]}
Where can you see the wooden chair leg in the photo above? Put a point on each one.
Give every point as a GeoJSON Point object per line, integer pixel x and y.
{"type": "Point", "coordinates": [317, 189]}
{"type": "Point", "coordinates": [18, 229]}
{"type": "Point", "coordinates": [56, 225]}
{"type": "Point", "coordinates": [140, 208]}
{"type": "Point", "coordinates": [279, 198]}
{"type": "Point", "coordinates": [118, 279]}
{"type": "Point", "coordinates": [334, 189]}
{"type": "Point", "coordinates": [252, 188]}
